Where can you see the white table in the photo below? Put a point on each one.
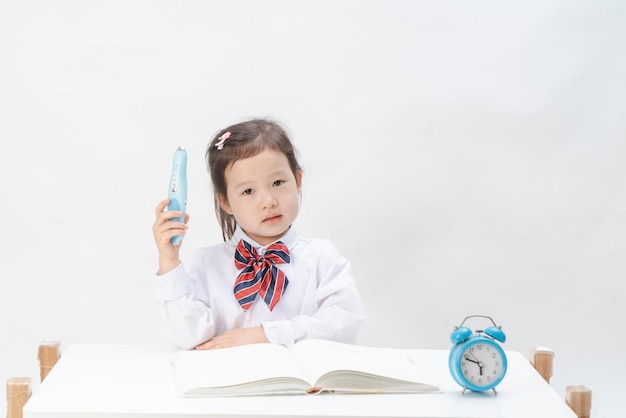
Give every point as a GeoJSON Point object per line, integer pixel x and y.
{"type": "Point", "coordinates": [135, 381]}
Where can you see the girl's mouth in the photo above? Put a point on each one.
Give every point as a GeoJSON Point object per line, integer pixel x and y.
{"type": "Point", "coordinates": [272, 219]}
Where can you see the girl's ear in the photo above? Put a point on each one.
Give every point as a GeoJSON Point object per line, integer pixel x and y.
{"type": "Point", "coordinates": [224, 203]}
{"type": "Point", "coordinates": [299, 179]}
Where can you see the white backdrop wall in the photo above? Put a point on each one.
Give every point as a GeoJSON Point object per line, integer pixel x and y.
{"type": "Point", "coordinates": [486, 140]}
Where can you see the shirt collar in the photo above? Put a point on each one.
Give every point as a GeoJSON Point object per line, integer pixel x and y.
{"type": "Point", "coordinates": [289, 239]}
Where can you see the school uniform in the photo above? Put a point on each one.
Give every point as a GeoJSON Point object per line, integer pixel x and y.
{"type": "Point", "coordinates": [320, 300]}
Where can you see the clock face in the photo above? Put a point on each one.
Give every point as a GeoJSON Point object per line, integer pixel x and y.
{"type": "Point", "coordinates": [481, 364]}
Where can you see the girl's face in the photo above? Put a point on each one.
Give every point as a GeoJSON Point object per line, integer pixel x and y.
{"type": "Point", "coordinates": [263, 195]}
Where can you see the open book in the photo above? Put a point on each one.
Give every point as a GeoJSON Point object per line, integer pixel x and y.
{"type": "Point", "coordinates": [309, 366]}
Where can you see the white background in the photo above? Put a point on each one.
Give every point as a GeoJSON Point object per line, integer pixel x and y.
{"type": "Point", "coordinates": [467, 157]}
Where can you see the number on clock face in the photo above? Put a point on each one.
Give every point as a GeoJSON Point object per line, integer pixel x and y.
{"type": "Point", "coordinates": [481, 364]}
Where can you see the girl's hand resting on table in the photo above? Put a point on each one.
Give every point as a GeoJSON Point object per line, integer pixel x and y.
{"type": "Point", "coordinates": [163, 230]}
{"type": "Point", "coordinates": [234, 337]}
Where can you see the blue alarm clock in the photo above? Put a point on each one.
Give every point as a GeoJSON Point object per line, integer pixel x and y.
{"type": "Point", "coordinates": [477, 361]}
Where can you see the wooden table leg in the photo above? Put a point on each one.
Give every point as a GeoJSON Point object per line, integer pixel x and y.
{"type": "Point", "coordinates": [542, 360]}
{"type": "Point", "coordinates": [578, 398]}
{"type": "Point", "coordinates": [18, 392]}
{"type": "Point", "coordinates": [49, 353]}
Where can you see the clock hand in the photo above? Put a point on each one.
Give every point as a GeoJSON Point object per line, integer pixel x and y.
{"type": "Point", "coordinates": [473, 355]}
{"type": "Point", "coordinates": [480, 363]}
{"type": "Point", "coordinates": [473, 361]}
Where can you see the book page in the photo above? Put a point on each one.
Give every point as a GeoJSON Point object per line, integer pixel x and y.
{"type": "Point", "coordinates": [233, 366]}
{"type": "Point", "coordinates": [319, 357]}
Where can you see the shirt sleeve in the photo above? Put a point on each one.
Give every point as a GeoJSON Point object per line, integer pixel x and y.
{"type": "Point", "coordinates": [186, 320]}
{"type": "Point", "coordinates": [279, 332]}
{"type": "Point", "coordinates": [338, 313]}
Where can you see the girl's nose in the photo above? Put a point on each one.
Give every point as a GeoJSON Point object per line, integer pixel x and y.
{"type": "Point", "coordinates": [269, 200]}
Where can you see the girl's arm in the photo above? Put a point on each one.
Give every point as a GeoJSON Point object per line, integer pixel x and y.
{"type": "Point", "coordinates": [234, 337]}
{"type": "Point", "coordinates": [186, 320]}
{"type": "Point", "coordinates": [336, 313]}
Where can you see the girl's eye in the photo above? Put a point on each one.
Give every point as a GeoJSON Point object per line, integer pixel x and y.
{"type": "Point", "coordinates": [279, 183]}
{"type": "Point", "coordinates": [247, 192]}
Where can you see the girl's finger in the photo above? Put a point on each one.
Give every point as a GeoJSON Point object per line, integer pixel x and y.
{"type": "Point", "coordinates": [160, 208]}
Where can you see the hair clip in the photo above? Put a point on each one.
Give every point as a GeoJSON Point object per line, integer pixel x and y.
{"type": "Point", "coordinates": [222, 139]}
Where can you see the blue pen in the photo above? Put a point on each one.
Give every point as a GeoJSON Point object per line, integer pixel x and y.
{"type": "Point", "coordinates": [177, 192]}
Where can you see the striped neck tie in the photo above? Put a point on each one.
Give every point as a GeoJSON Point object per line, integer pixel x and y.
{"type": "Point", "coordinates": [260, 275]}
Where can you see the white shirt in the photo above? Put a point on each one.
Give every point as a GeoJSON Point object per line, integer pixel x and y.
{"type": "Point", "coordinates": [321, 300]}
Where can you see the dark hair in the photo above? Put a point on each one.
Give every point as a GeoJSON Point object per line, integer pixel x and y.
{"type": "Point", "coordinates": [247, 139]}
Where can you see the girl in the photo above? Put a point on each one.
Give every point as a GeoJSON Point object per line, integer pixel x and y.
{"type": "Point", "coordinates": [264, 283]}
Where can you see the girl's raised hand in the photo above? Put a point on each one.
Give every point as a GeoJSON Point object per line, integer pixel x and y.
{"type": "Point", "coordinates": [163, 230]}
